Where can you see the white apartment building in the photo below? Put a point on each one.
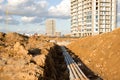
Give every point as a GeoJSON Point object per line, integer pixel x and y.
{"type": "Point", "coordinates": [50, 27]}
{"type": "Point", "coordinates": [91, 17]}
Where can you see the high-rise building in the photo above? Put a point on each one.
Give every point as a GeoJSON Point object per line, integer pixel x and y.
{"type": "Point", "coordinates": [50, 27]}
{"type": "Point", "coordinates": [91, 17]}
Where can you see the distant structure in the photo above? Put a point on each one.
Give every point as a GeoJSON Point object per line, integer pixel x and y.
{"type": "Point", "coordinates": [58, 34]}
{"type": "Point", "coordinates": [91, 17]}
{"type": "Point", "coordinates": [50, 27]}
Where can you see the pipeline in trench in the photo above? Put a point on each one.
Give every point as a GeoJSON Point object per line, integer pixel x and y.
{"type": "Point", "coordinates": [56, 67]}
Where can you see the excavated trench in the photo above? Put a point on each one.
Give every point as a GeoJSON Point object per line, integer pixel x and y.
{"type": "Point", "coordinates": [56, 69]}
{"type": "Point", "coordinates": [87, 71]}
{"type": "Point", "coordinates": [55, 66]}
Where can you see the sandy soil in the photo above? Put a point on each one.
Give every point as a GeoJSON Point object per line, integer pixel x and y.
{"type": "Point", "coordinates": [30, 58]}
{"type": "Point", "coordinates": [101, 53]}
{"type": "Point", "coordinates": [22, 57]}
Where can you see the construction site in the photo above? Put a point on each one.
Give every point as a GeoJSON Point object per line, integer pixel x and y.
{"type": "Point", "coordinates": [40, 58]}
{"type": "Point", "coordinates": [59, 40]}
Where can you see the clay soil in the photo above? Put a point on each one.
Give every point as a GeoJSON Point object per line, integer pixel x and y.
{"type": "Point", "coordinates": [101, 53]}
{"type": "Point", "coordinates": [30, 58]}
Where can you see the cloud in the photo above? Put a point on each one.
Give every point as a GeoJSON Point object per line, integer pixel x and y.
{"type": "Point", "coordinates": [27, 20]}
{"type": "Point", "coordinates": [16, 2]}
{"type": "Point", "coordinates": [62, 10]}
{"type": "Point", "coordinates": [1, 9]}
{"type": "Point", "coordinates": [27, 7]}
{"type": "Point", "coordinates": [11, 20]}
{"type": "Point", "coordinates": [1, 1]}
{"type": "Point", "coordinates": [1, 18]}
{"type": "Point", "coordinates": [8, 20]}
{"type": "Point", "coordinates": [34, 11]}
{"type": "Point", "coordinates": [40, 8]}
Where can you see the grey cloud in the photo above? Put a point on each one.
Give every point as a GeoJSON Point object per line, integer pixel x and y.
{"type": "Point", "coordinates": [11, 21]}
{"type": "Point", "coordinates": [32, 20]}
{"type": "Point", "coordinates": [31, 8]}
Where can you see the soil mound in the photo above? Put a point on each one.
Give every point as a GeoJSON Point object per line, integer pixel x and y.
{"type": "Point", "coordinates": [22, 57]}
{"type": "Point", "coordinates": [30, 58]}
{"type": "Point", "coordinates": [101, 53]}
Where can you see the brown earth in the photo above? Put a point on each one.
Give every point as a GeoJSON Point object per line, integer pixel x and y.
{"type": "Point", "coordinates": [26, 58]}
{"type": "Point", "coordinates": [101, 53]}
{"type": "Point", "coordinates": [56, 68]}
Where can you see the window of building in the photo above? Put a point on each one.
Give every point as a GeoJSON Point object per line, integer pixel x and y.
{"type": "Point", "coordinates": [103, 4]}
{"type": "Point", "coordinates": [96, 16]}
{"type": "Point", "coordinates": [88, 29]}
{"type": "Point", "coordinates": [96, 29]}
{"type": "Point", "coordinates": [96, 3]}
{"type": "Point", "coordinates": [104, 12]}
{"type": "Point", "coordinates": [96, 20]}
{"type": "Point", "coordinates": [96, 8]}
{"type": "Point", "coordinates": [96, 12]}
{"type": "Point", "coordinates": [96, 25]}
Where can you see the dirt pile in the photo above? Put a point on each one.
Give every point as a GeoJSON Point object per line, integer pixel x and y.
{"type": "Point", "coordinates": [30, 58]}
{"type": "Point", "coordinates": [22, 57]}
{"type": "Point", "coordinates": [100, 53]}
{"type": "Point", "coordinates": [12, 38]}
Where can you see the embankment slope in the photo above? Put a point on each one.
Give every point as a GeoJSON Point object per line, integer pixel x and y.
{"type": "Point", "coordinates": [101, 53]}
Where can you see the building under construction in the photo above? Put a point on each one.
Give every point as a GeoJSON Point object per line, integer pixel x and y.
{"type": "Point", "coordinates": [91, 17]}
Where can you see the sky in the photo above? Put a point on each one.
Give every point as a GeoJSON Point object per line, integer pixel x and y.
{"type": "Point", "coordinates": [29, 16]}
